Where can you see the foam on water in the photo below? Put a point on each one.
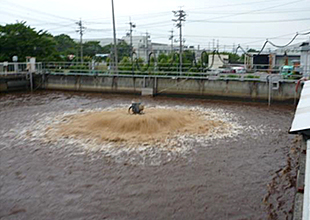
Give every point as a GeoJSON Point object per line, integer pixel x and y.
{"type": "Point", "coordinates": [160, 135]}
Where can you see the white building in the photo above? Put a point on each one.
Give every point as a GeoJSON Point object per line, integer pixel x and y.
{"type": "Point", "coordinates": [102, 41]}
{"type": "Point", "coordinates": [143, 46]}
{"type": "Point", "coordinates": [218, 60]}
{"type": "Point", "coordinates": [291, 53]}
{"type": "Point", "coordinates": [305, 58]}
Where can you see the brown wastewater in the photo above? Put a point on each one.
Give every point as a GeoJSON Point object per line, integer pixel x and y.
{"type": "Point", "coordinates": [67, 155]}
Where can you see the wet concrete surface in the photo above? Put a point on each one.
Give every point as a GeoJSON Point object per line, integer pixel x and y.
{"type": "Point", "coordinates": [250, 176]}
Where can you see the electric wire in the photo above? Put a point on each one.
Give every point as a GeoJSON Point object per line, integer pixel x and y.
{"type": "Point", "coordinates": [248, 12]}
{"type": "Point", "coordinates": [282, 46]}
{"type": "Point", "coordinates": [251, 22]}
{"type": "Point", "coordinates": [37, 11]}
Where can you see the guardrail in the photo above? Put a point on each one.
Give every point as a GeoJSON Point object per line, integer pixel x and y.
{"type": "Point", "coordinates": [7, 68]}
{"type": "Point", "coordinates": [159, 69]}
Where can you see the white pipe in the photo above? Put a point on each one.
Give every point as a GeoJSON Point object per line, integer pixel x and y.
{"type": "Point", "coordinates": [305, 213]}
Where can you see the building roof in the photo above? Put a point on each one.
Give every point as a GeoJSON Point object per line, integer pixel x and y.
{"type": "Point", "coordinates": [102, 41]}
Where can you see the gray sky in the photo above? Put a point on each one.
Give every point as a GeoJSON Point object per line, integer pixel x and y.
{"type": "Point", "coordinates": [244, 22]}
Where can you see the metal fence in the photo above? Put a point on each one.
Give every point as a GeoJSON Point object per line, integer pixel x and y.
{"type": "Point", "coordinates": [7, 68]}
{"type": "Point", "coordinates": [157, 69]}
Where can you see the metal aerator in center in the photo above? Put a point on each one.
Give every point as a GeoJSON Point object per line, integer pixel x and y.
{"type": "Point", "coordinates": [136, 108]}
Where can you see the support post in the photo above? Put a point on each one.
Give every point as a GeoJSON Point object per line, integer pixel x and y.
{"type": "Point", "coordinates": [31, 81]}
{"type": "Point", "coordinates": [180, 14]}
{"type": "Point", "coordinates": [115, 45]}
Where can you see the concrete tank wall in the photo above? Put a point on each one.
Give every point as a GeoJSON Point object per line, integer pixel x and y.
{"type": "Point", "coordinates": [255, 90]}
{"type": "Point", "coordinates": [13, 83]}
{"type": "Point", "coordinates": [228, 88]}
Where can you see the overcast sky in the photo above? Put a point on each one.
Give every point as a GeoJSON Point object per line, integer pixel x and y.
{"type": "Point", "coordinates": [244, 22]}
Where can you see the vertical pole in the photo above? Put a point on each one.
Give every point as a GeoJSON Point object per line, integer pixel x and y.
{"type": "Point", "coordinates": [114, 37]}
{"type": "Point", "coordinates": [131, 48]}
{"type": "Point", "coordinates": [171, 38]}
{"type": "Point", "coordinates": [15, 67]}
{"type": "Point", "coordinates": [180, 17]}
{"type": "Point", "coordinates": [307, 67]}
{"type": "Point", "coordinates": [76, 54]}
{"type": "Point", "coordinates": [81, 31]}
{"type": "Point", "coordinates": [269, 91]}
{"type": "Point", "coordinates": [147, 46]}
{"type": "Point", "coordinates": [81, 43]}
{"type": "Point", "coordinates": [31, 81]}
{"type": "Point", "coordinates": [180, 48]}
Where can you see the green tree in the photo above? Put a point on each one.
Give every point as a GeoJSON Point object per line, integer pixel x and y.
{"type": "Point", "coordinates": [125, 65]}
{"type": "Point", "coordinates": [234, 58]}
{"type": "Point", "coordinates": [188, 59]}
{"type": "Point", "coordinates": [65, 45]}
{"type": "Point", "coordinates": [91, 48]}
{"type": "Point", "coordinates": [251, 50]}
{"type": "Point", "coordinates": [22, 40]}
{"type": "Point", "coordinates": [123, 50]}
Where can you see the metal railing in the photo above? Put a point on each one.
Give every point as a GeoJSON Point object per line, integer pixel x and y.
{"type": "Point", "coordinates": [7, 68]}
{"type": "Point", "coordinates": [150, 69]}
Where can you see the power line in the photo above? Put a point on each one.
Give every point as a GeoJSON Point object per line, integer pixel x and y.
{"type": "Point", "coordinates": [156, 14]}
{"type": "Point", "coordinates": [252, 22]}
{"type": "Point", "coordinates": [282, 46]}
{"type": "Point", "coordinates": [262, 12]}
{"type": "Point", "coordinates": [37, 11]}
{"type": "Point", "coordinates": [249, 12]}
{"type": "Point", "coordinates": [233, 5]}
{"type": "Point", "coordinates": [23, 16]}
{"type": "Point", "coordinates": [278, 37]}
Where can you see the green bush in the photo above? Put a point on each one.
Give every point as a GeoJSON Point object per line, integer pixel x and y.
{"type": "Point", "coordinates": [233, 76]}
{"type": "Point", "coordinates": [251, 77]}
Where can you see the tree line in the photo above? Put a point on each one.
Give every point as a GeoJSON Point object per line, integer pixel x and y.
{"type": "Point", "coordinates": [21, 40]}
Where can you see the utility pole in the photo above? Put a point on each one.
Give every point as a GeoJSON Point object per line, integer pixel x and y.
{"type": "Point", "coordinates": [115, 45]}
{"type": "Point", "coordinates": [81, 32]}
{"type": "Point", "coordinates": [180, 15]}
{"type": "Point", "coordinates": [147, 36]}
{"type": "Point", "coordinates": [131, 26]}
{"type": "Point", "coordinates": [171, 38]}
